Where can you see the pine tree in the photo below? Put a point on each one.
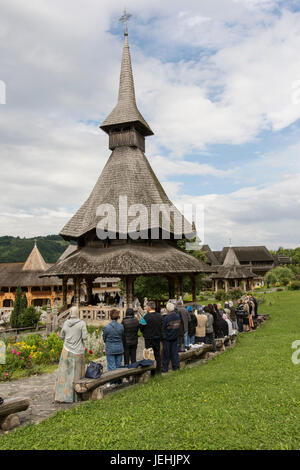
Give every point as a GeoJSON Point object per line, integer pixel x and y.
{"type": "Point", "coordinates": [24, 303]}
{"type": "Point", "coordinates": [14, 319]}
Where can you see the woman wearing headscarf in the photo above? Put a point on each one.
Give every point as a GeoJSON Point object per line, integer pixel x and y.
{"type": "Point", "coordinates": [71, 364]}
{"type": "Point", "coordinates": [131, 328]}
{"type": "Point", "coordinates": [113, 339]}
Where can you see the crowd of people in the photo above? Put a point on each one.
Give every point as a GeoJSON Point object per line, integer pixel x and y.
{"type": "Point", "coordinates": [174, 329]}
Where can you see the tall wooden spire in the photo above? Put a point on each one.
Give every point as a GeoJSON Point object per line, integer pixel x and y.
{"type": "Point", "coordinates": [126, 113]}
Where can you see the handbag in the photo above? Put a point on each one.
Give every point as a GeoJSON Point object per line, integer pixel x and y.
{"type": "Point", "coordinates": [148, 354]}
{"type": "Point", "coordinates": [94, 370]}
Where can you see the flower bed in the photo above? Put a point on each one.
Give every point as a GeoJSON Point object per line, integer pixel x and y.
{"type": "Point", "coordinates": [30, 354]}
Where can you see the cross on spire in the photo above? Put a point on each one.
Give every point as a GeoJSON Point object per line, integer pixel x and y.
{"type": "Point", "coordinates": [124, 19]}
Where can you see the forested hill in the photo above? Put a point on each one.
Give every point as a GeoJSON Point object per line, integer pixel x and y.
{"type": "Point", "coordinates": [16, 249]}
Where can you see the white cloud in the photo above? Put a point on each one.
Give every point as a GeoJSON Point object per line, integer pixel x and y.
{"type": "Point", "coordinates": [217, 71]}
{"type": "Point", "coordinates": [266, 215]}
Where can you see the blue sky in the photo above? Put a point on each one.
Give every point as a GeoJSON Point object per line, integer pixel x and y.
{"type": "Point", "coordinates": [217, 80]}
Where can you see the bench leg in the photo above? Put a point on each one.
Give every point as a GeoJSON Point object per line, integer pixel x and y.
{"type": "Point", "coordinates": [143, 378]}
{"type": "Point", "coordinates": [97, 394]}
{"type": "Point", "coordinates": [10, 422]}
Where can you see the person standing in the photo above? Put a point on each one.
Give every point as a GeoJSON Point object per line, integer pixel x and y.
{"type": "Point", "coordinates": [131, 328]}
{"type": "Point", "coordinates": [72, 363]}
{"type": "Point", "coordinates": [170, 325]}
{"type": "Point", "coordinates": [232, 315]}
{"type": "Point", "coordinates": [113, 339]}
{"type": "Point", "coordinates": [185, 317]}
{"type": "Point", "coordinates": [240, 313]}
{"type": "Point", "coordinates": [210, 335]}
{"type": "Point", "coordinates": [192, 325]}
{"type": "Point", "coordinates": [202, 320]}
{"type": "Point", "coordinates": [151, 328]}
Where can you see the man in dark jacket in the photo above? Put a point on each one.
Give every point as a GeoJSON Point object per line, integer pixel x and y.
{"type": "Point", "coordinates": [171, 324]}
{"type": "Point", "coordinates": [185, 318]}
{"type": "Point", "coordinates": [152, 332]}
{"type": "Point", "coordinates": [131, 328]}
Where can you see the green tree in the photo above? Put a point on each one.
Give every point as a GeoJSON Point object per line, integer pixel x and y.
{"type": "Point", "coordinates": [14, 319]}
{"type": "Point", "coordinates": [280, 274]}
{"type": "Point", "coordinates": [155, 287]}
{"type": "Point", "coordinates": [29, 317]}
{"type": "Point", "coordinates": [24, 303]}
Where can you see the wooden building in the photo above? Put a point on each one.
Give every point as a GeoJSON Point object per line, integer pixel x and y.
{"type": "Point", "coordinates": [231, 274]}
{"type": "Point", "coordinates": [41, 291]}
{"type": "Point", "coordinates": [150, 251]}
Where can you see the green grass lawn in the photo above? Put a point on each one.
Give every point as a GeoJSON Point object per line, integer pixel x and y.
{"type": "Point", "coordinates": [246, 398]}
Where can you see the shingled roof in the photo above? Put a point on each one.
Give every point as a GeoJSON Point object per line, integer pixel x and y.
{"type": "Point", "coordinates": [233, 272]}
{"type": "Point", "coordinates": [127, 173]}
{"type": "Point", "coordinates": [28, 273]}
{"type": "Point", "coordinates": [248, 253]}
{"type": "Point", "coordinates": [35, 261]}
{"type": "Point", "coordinates": [126, 111]}
{"type": "Point", "coordinates": [128, 259]}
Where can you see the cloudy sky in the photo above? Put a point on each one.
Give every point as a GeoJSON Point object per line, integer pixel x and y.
{"type": "Point", "coordinates": [217, 80]}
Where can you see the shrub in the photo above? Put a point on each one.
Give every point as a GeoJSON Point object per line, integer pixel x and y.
{"type": "Point", "coordinates": [220, 295]}
{"type": "Point", "coordinates": [236, 293]}
{"type": "Point", "coordinates": [295, 285]}
{"type": "Point", "coordinates": [29, 318]}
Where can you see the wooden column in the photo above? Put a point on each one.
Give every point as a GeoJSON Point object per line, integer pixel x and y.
{"type": "Point", "coordinates": [125, 292]}
{"type": "Point", "coordinates": [171, 282]}
{"type": "Point", "coordinates": [89, 289]}
{"type": "Point", "coordinates": [76, 281]}
{"type": "Point", "coordinates": [179, 286]}
{"type": "Point", "coordinates": [130, 291]}
{"type": "Point", "coordinates": [226, 285]}
{"type": "Point", "coordinates": [65, 290]}
{"type": "Point", "coordinates": [193, 279]}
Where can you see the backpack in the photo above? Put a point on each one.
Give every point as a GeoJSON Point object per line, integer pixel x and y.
{"type": "Point", "coordinates": [240, 311]}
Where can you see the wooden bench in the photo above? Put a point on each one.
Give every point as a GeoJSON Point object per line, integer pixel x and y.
{"type": "Point", "coordinates": [194, 354]}
{"type": "Point", "coordinates": [8, 417]}
{"type": "Point", "coordinates": [93, 388]}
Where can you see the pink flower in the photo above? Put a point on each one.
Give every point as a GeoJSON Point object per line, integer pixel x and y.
{"type": "Point", "coordinates": [18, 353]}
{"type": "Point", "coordinates": [13, 351]}
{"type": "Point", "coordinates": [6, 374]}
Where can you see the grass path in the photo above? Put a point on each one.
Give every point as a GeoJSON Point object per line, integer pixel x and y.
{"type": "Point", "coordinates": [246, 398]}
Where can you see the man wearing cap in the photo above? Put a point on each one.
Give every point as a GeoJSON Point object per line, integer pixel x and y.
{"type": "Point", "coordinates": [151, 327]}
{"type": "Point", "coordinates": [171, 324]}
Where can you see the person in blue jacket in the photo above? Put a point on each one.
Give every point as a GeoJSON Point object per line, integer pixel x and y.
{"type": "Point", "coordinates": [113, 338]}
{"type": "Point", "coordinates": [170, 325]}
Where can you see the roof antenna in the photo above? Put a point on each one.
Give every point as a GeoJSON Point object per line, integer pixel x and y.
{"type": "Point", "coordinates": [124, 19]}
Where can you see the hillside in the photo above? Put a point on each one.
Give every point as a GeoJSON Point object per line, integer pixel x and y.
{"type": "Point", "coordinates": [16, 249]}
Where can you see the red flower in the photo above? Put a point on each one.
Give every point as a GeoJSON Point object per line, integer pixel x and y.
{"type": "Point", "coordinates": [90, 351]}
{"type": "Point", "coordinates": [85, 349]}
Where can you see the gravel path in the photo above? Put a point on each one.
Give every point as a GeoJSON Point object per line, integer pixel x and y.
{"type": "Point", "coordinates": [40, 390]}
